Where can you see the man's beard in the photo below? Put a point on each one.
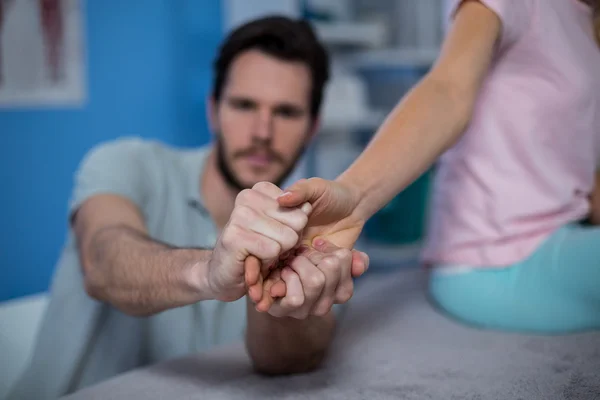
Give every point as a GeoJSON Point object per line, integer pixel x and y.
{"type": "Point", "coordinates": [229, 175]}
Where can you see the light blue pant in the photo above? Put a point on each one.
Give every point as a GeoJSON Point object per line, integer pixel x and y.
{"type": "Point", "coordinates": [557, 290]}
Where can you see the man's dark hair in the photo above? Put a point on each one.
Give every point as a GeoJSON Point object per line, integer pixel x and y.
{"type": "Point", "coordinates": [282, 38]}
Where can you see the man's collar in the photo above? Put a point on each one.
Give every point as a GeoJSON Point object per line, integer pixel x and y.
{"type": "Point", "coordinates": [195, 164]}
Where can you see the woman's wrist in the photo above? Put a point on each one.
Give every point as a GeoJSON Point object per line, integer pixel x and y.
{"type": "Point", "coordinates": [359, 195]}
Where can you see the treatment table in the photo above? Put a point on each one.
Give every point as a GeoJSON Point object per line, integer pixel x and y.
{"type": "Point", "coordinates": [391, 344]}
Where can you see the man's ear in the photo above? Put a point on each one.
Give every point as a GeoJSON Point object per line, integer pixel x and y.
{"type": "Point", "coordinates": [314, 129]}
{"type": "Point", "coordinates": [212, 114]}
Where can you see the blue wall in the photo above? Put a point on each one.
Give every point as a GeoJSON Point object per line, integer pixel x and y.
{"type": "Point", "coordinates": [148, 72]}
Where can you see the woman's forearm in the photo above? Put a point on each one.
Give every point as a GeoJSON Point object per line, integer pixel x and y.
{"type": "Point", "coordinates": [433, 116]}
{"type": "Point", "coordinates": [428, 121]}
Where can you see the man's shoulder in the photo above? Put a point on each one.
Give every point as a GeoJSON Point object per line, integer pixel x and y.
{"type": "Point", "coordinates": [133, 146]}
{"type": "Point", "coordinates": [134, 168]}
{"type": "Point", "coordinates": [150, 153]}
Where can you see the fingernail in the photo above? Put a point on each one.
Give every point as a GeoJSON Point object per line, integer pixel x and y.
{"type": "Point", "coordinates": [319, 243]}
{"type": "Point", "coordinates": [284, 194]}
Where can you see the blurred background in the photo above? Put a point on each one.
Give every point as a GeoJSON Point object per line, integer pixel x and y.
{"type": "Point", "coordinates": [143, 68]}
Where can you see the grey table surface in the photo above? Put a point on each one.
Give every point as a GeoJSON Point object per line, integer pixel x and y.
{"type": "Point", "coordinates": [391, 344]}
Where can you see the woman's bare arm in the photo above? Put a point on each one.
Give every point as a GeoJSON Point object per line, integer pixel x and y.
{"type": "Point", "coordinates": [432, 117]}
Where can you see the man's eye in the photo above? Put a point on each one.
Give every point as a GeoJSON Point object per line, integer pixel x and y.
{"type": "Point", "coordinates": [243, 105]}
{"type": "Point", "coordinates": [289, 112]}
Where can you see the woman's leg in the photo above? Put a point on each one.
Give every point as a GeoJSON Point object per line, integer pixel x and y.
{"type": "Point", "coordinates": [556, 290]}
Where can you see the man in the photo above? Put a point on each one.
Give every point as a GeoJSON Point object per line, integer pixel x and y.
{"type": "Point", "coordinates": [136, 284]}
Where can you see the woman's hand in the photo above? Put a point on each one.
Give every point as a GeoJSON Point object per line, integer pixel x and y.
{"type": "Point", "coordinates": [334, 216]}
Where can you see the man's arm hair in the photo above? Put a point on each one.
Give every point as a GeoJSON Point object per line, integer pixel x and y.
{"type": "Point", "coordinates": [126, 268]}
{"type": "Point", "coordinates": [280, 346]}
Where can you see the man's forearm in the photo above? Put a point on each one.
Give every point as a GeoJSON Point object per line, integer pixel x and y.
{"type": "Point", "coordinates": [287, 345]}
{"type": "Point", "coordinates": [141, 276]}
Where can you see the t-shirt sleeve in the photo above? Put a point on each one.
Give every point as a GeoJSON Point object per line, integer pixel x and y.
{"type": "Point", "coordinates": [515, 15]}
{"type": "Point", "coordinates": [115, 167]}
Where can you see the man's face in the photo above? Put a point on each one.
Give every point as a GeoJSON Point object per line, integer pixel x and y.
{"type": "Point", "coordinates": [262, 121]}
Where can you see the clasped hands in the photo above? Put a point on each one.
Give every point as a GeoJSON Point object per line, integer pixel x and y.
{"type": "Point", "coordinates": [264, 251]}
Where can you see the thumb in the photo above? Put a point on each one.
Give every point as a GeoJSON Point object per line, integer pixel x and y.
{"type": "Point", "coordinates": [305, 190]}
{"type": "Point", "coordinates": [324, 246]}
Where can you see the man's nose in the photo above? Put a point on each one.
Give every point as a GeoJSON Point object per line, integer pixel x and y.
{"type": "Point", "coordinates": [263, 125]}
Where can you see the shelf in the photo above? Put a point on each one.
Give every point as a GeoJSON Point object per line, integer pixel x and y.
{"type": "Point", "coordinates": [351, 34]}
{"type": "Point", "coordinates": [370, 120]}
{"type": "Point", "coordinates": [391, 58]}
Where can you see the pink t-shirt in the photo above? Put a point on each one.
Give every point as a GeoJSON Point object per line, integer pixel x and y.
{"type": "Point", "coordinates": [526, 164]}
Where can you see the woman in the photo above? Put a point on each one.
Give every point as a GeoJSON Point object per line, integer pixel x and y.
{"type": "Point", "coordinates": [512, 107]}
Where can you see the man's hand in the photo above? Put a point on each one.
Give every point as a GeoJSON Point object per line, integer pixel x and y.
{"type": "Point", "coordinates": [258, 226]}
{"type": "Point", "coordinates": [332, 217]}
{"type": "Point", "coordinates": [315, 279]}
{"type": "Point", "coordinates": [274, 286]}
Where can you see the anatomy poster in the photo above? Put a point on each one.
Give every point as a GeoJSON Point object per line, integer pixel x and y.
{"type": "Point", "coordinates": [42, 59]}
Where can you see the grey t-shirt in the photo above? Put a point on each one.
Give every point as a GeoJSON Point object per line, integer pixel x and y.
{"type": "Point", "coordinates": [82, 341]}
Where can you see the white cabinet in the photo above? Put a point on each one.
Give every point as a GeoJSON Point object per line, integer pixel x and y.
{"type": "Point", "coordinates": [236, 12]}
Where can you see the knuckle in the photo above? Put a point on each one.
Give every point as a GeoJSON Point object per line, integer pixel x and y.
{"type": "Point", "coordinates": [331, 262]}
{"type": "Point", "coordinates": [323, 308]}
{"type": "Point", "coordinates": [295, 301]}
{"type": "Point", "coordinates": [344, 255]}
{"type": "Point", "coordinates": [316, 280]}
{"type": "Point", "coordinates": [299, 220]}
{"type": "Point", "coordinates": [269, 248]}
{"type": "Point", "coordinates": [243, 214]}
{"type": "Point", "coordinates": [289, 238]}
{"type": "Point", "coordinates": [344, 294]}
{"type": "Point", "coordinates": [350, 286]}
{"type": "Point", "coordinates": [230, 236]}
{"type": "Point", "coordinates": [312, 255]}
{"type": "Point", "coordinates": [320, 312]}
{"type": "Point", "coordinates": [244, 197]}
{"type": "Point", "coordinates": [276, 311]}
{"type": "Point", "coordinates": [264, 187]}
